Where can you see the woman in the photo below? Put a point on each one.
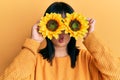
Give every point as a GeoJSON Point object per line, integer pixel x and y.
{"type": "Point", "coordinates": [61, 59]}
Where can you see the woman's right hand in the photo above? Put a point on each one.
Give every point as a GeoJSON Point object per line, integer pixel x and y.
{"type": "Point", "coordinates": [36, 35]}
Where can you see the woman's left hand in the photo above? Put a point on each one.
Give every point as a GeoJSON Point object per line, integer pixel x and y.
{"type": "Point", "coordinates": [91, 26]}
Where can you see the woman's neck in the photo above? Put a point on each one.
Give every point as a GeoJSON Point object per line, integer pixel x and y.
{"type": "Point", "coordinates": [60, 51]}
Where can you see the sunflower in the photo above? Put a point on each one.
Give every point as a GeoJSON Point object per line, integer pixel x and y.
{"type": "Point", "coordinates": [76, 25]}
{"type": "Point", "coordinates": [51, 25]}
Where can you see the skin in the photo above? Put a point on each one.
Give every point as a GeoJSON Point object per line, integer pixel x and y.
{"type": "Point", "coordinates": [60, 44]}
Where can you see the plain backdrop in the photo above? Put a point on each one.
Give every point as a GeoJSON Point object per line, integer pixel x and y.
{"type": "Point", "coordinates": [18, 16]}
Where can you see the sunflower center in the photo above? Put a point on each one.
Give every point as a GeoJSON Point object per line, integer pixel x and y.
{"type": "Point", "coordinates": [75, 25]}
{"type": "Point", "coordinates": [52, 25]}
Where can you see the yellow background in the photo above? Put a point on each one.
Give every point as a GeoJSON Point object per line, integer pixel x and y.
{"type": "Point", "coordinates": [18, 16]}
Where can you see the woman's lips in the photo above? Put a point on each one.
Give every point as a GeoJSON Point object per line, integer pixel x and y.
{"type": "Point", "coordinates": [61, 38]}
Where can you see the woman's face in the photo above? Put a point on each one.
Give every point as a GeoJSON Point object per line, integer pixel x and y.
{"type": "Point", "coordinates": [63, 39]}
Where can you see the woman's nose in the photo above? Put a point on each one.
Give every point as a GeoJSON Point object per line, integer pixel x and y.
{"type": "Point", "coordinates": [63, 32]}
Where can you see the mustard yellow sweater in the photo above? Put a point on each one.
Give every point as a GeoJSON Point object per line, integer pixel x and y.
{"type": "Point", "coordinates": [95, 63]}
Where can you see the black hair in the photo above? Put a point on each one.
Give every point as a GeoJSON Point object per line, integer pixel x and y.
{"type": "Point", "coordinates": [49, 52]}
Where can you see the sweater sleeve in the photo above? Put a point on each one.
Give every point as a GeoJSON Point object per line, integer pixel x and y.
{"type": "Point", "coordinates": [24, 63]}
{"type": "Point", "coordinates": [102, 58]}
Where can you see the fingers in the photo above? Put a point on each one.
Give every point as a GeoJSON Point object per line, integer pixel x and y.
{"type": "Point", "coordinates": [91, 25]}
{"type": "Point", "coordinates": [36, 27]}
{"type": "Point", "coordinates": [90, 20]}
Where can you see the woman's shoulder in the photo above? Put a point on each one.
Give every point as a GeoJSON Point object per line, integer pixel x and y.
{"type": "Point", "coordinates": [84, 54]}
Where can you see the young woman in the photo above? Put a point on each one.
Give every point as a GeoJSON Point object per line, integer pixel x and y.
{"type": "Point", "coordinates": [61, 59]}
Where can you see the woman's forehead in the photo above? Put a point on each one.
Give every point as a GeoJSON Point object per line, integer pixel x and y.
{"type": "Point", "coordinates": [63, 15]}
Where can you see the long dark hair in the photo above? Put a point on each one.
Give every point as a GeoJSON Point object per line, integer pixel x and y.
{"type": "Point", "coordinates": [49, 52]}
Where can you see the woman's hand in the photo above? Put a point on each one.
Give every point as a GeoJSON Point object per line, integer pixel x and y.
{"type": "Point", "coordinates": [91, 26]}
{"type": "Point", "coordinates": [36, 35]}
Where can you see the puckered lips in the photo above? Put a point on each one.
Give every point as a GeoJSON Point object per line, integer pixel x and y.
{"type": "Point", "coordinates": [61, 38]}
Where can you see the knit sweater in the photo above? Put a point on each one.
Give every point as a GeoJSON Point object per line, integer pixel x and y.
{"type": "Point", "coordinates": [95, 63]}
